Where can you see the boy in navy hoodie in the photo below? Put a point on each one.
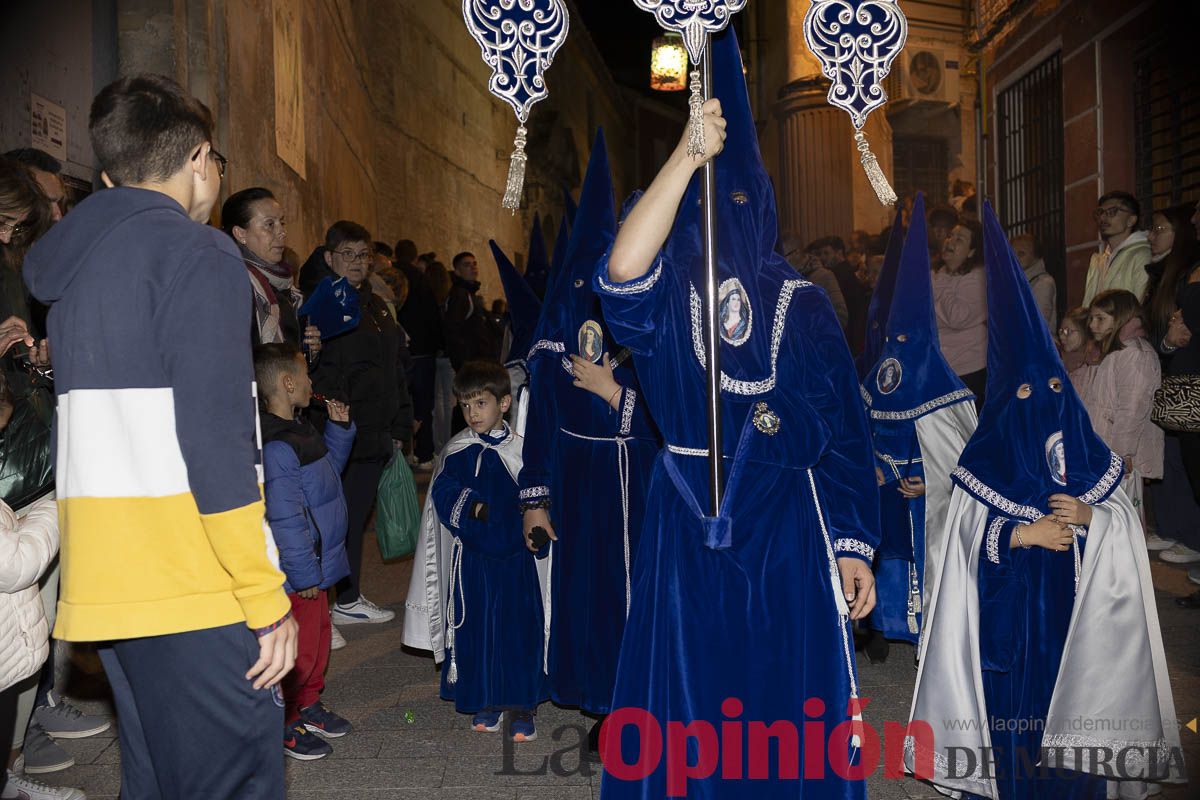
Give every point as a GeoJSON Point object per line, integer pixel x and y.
{"type": "Point", "coordinates": [307, 513]}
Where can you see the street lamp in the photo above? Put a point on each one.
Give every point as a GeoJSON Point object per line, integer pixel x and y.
{"type": "Point", "coordinates": [668, 63]}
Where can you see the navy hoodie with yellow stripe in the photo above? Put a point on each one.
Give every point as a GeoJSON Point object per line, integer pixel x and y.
{"type": "Point", "coordinates": [159, 498]}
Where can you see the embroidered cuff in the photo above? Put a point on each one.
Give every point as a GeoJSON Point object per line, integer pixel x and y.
{"type": "Point", "coordinates": [993, 539]}
{"type": "Point", "coordinates": [627, 411]}
{"type": "Point", "coordinates": [546, 344]}
{"type": "Point", "coordinates": [635, 286]}
{"type": "Point", "coordinates": [534, 497]}
{"type": "Point", "coordinates": [854, 547]}
{"type": "Point", "coordinates": [457, 512]}
{"type": "Point", "coordinates": [260, 632]}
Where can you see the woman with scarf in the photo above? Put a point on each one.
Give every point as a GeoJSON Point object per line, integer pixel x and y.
{"type": "Point", "coordinates": [254, 218]}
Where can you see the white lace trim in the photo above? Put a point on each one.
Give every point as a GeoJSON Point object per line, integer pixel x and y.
{"type": "Point", "coordinates": [1063, 750]}
{"type": "Point", "coordinates": [546, 344]}
{"type": "Point", "coordinates": [1107, 481]}
{"type": "Point", "coordinates": [688, 451]}
{"type": "Point", "coordinates": [993, 539]}
{"type": "Point", "coordinates": [734, 385]}
{"type": "Point", "coordinates": [636, 286]}
{"type": "Point", "coordinates": [945, 400]}
{"type": "Point", "coordinates": [854, 546]}
{"type": "Point", "coordinates": [627, 411]}
{"type": "Point", "coordinates": [533, 493]}
{"type": "Point", "coordinates": [866, 396]}
{"type": "Point", "coordinates": [993, 498]}
{"type": "Point", "coordinates": [456, 512]}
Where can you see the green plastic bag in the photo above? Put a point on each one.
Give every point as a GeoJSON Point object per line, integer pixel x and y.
{"type": "Point", "coordinates": [397, 512]}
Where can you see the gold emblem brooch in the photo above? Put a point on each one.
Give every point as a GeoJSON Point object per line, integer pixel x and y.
{"type": "Point", "coordinates": [765, 419]}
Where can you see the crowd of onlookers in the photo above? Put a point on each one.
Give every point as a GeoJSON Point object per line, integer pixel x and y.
{"type": "Point", "coordinates": [1141, 303]}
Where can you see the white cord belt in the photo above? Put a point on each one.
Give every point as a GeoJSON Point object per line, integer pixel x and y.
{"type": "Point", "coordinates": [456, 554]}
{"type": "Point", "coordinates": [623, 471]}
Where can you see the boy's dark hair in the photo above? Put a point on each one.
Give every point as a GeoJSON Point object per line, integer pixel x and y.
{"type": "Point", "coordinates": [235, 212]}
{"type": "Point", "coordinates": [146, 127]}
{"type": "Point", "coordinates": [477, 377]}
{"type": "Point", "coordinates": [270, 362]}
{"type": "Point", "coordinates": [344, 231]}
{"type": "Point", "coordinates": [458, 258]}
{"type": "Point", "coordinates": [1125, 198]}
{"type": "Point", "coordinates": [384, 249]}
{"type": "Point", "coordinates": [406, 251]}
{"type": "Point", "coordinates": [38, 159]}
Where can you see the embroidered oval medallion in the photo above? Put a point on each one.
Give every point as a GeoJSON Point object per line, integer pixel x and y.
{"type": "Point", "coordinates": [591, 341]}
{"type": "Point", "coordinates": [1056, 458]}
{"type": "Point", "coordinates": [766, 420]}
{"type": "Point", "coordinates": [889, 375]}
{"type": "Point", "coordinates": [737, 318]}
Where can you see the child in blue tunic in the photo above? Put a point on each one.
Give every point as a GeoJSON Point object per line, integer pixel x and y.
{"type": "Point", "coordinates": [494, 619]}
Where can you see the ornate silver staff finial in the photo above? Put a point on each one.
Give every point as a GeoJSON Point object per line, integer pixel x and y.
{"type": "Point", "coordinates": [519, 39]}
{"type": "Point", "coordinates": [856, 42]}
{"type": "Point", "coordinates": [695, 20]}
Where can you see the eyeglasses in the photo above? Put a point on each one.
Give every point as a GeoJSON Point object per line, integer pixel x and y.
{"type": "Point", "coordinates": [349, 255]}
{"type": "Point", "coordinates": [1110, 212]}
{"type": "Point", "coordinates": [11, 228]}
{"type": "Point", "coordinates": [221, 161]}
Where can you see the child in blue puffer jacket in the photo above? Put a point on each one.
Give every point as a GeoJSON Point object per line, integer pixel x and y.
{"type": "Point", "coordinates": [307, 513]}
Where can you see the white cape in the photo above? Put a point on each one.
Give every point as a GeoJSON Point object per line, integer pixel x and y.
{"type": "Point", "coordinates": [1113, 669]}
{"type": "Point", "coordinates": [425, 609]}
{"type": "Point", "coordinates": [942, 435]}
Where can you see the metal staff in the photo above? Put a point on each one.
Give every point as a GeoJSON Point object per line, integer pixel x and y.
{"type": "Point", "coordinates": [712, 336]}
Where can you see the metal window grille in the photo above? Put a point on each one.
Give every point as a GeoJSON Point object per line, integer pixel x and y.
{"type": "Point", "coordinates": [1167, 128]}
{"type": "Point", "coordinates": [1029, 127]}
{"type": "Point", "coordinates": [921, 163]}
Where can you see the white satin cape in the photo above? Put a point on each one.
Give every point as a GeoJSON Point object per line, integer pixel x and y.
{"type": "Point", "coordinates": [1113, 667]}
{"type": "Point", "coordinates": [425, 608]}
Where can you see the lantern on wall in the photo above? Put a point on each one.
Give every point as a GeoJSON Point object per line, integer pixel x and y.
{"type": "Point", "coordinates": [668, 63]}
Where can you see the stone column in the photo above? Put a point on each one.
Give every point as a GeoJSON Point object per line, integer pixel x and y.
{"type": "Point", "coordinates": [823, 191]}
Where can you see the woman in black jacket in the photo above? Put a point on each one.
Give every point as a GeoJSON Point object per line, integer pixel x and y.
{"type": "Point", "coordinates": [362, 367]}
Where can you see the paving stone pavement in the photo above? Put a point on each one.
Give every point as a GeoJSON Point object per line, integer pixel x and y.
{"type": "Point", "coordinates": [379, 686]}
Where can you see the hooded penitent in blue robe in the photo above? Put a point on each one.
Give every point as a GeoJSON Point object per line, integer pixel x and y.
{"type": "Point", "coordinates": [590, 461]}
{"type": "Point", "coordinates": [742, 616]}
{"type": "Point", "coordinates": [1033, 653]}
{"type": "Point", "coordinates": [921, 418]}
{"type": "Point", "coordinates": [537, 268]}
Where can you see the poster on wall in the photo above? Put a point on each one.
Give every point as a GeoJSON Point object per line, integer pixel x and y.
{"type": "Point", "coordinates": [289, 85]}
{"type": "Point", "coordinates": [48, 126]}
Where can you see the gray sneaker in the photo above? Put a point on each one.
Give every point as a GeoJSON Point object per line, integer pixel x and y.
{"type": "Point", "coordinates": [41, 754]}
{"type": "Point", "coordinates": [62, 720]}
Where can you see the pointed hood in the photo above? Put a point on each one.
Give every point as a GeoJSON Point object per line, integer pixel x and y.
{"type": "Point", "coordinates": [881, 298]}
{"type": "Point", "coordinates": [756, 284]}
{"type": "Point", "coordinates": [524, 308]}
{"type": "Point", "coordinates": [572, 303]}
{"type": "Point", "coordinates": [1034, 437]}
{"type": "Point", "coordinates": [537, 269]}
{"type": "Point", "coordinates": [911, 378]}
{"type": "Point", "coordinates": [552, 286]}
{"type": "Point", "coordinates": [569, 205]}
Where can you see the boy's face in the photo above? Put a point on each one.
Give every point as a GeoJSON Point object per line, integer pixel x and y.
{"type": "Point", "coordinates": [483, 411]}
{"type": "Point", "coordinates": [296, 384]}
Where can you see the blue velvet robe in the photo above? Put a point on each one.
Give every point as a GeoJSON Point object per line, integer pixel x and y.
{"type": "Point", "coordinates": [744, 607]}
{"type": "Point", "coordinates": [573, 458]}
{"type": "Point", "coordinates": [900, 567]}
{"type": "Point", "coordinates": [1025, 602]}
{"type": "Point", "coordinates": [499, 643]}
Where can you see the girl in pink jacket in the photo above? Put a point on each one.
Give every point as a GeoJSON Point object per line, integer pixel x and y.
{"type": "Point", "coordinates": [1121, 393]}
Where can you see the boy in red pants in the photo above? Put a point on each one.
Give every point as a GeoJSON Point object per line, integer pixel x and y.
{"type": "Point", "coordinates": [307, 513]}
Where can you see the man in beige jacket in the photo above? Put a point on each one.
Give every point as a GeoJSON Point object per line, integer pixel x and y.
{"type": "Point", "coordinates": [1121, 261]}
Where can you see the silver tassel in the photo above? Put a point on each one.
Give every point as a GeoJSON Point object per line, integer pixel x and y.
{"type": "Point", "coordinates": [914, 599]}
{"type": "Point", "coordinates": [516, 173]}
{"type": "Point", "coordinates": [879, 181]}
{"type": "Point", "coordinates": [695, 147]}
